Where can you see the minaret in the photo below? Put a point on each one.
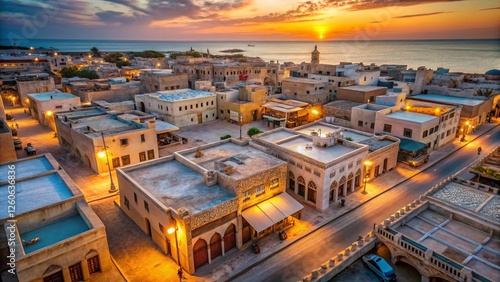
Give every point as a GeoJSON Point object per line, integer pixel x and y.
{"type": "Point", "coordinates": [315, 55]}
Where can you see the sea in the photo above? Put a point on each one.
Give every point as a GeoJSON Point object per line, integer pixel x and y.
{"type": "Point", "coordinates": [468, 55]}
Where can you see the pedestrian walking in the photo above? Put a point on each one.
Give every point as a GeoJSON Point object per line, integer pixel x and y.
{"type": "Point", "coordinates": [17, 125]}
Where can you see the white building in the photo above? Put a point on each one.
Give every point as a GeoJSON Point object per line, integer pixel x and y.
{"type": "Point", "coordinates": [43, 106]}
{"type": "Point", "coordinates": [181, 107]}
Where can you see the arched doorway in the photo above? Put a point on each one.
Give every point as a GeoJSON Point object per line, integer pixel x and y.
{"type": "Point", "coordinates": [215, 246]}
{"type": "Point", "coordinates": [143, 107]}
{"type": "Point", "coordinates": [302, 186]}
{"type": "Point", "coordinates": [229, 238]}
{"type": "Point", "coordinates": [269, 81]}
{"type": "Point", "coordinates": [350, 188]}
{"type": "Point", "coordinates": [341, 192]}
{"type": "Point", "coordinates": [200, 253]}
{"type": "Point", "coordinates": [357, 179]}
{"type": "Point", "coordinates": [311, 192]}
{"type": "Point", "coordinates": [291, 181]}
{"type": "Point", "coordinates": [331, 196]}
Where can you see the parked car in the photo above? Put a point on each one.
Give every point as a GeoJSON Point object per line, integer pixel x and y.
{"type": "Point", "coordinates": [380, 267]}
{"type": "Point", "coordinates": [18, 144]}
{"type": "Point", "coordinates": [30, 150]}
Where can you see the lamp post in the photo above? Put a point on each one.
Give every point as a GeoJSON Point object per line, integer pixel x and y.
{"type": "Point", "coordinates": [170, 231]}
{"type": "Point", "coordinates": [112, 187]}
{"type": "Point", "coordinates": [367, 174]}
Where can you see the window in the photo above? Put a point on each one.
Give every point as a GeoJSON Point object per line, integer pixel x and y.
{"type": "Point", "coordinates": [275, 183]}
{"type": "Point", "coordinates": [180, 109]}
{"type": "Point", "coordinates": [162, 229]}
{"type": "Point", "coordinates": [221, 111]}
{"type": "Point", "coordinates": [146, 206]}
{"type": "Point", "coordinates": [59, 107]}
{"type": "Point", "coordinates": [350, 165]}
{"type": "Point", "coordinates": [246, 195]}
{"type": "Point", "coordinates": [425, 133]}
{"type": "Point", "coordinates": [259, 190]}
{"type": "Point", "coordinates": [135, 197]}
{"type": "Point", "coordinates": [431, 131]}
{"type": "Point", "coordinates": [197, 106]}
{"type": "Point", "coordinates": [123, 141]}
{"type": "Point", "coordinates": [207, 103]}
{"type": "Point", "coordinates": [212, 103]}
{"type": "Point", "coordinates": [342, 169]}
{"type": "Point", "coordinates": [387, 128]}
{"type": "Point", "coordinates": [407, 132]}
{"type": "Point", "coordinates": [307, 92]}
{"type": "Point", "coordinates": [151, 154]}
{"type": "Point", "coordinates": [142, 156]}
{"type": "Point", "coordinates": [191, 106]}
{"type": "Point", "coordinates": [75, 272]}
{"type": "Point", "coordinates": [436, 128]}
{"type": "Point", "coordinates": [372, 125]}
{"type": "Point", "coordinates": [311, 192]}
{"type": "Point", "coordinates": [116, 162]}
{"type": "Point", "coordinates": [452, 115]}
{"type": "Point", "coordinates": [360, 123]}
{"type": "Point", "coordinates": [94, 265]}
{"type": "Point", "coordinates": [126, 160]}
{"type": "Point", "coordinates": [125, 202]}
{"type": "Point", "coordinates": [448, 132]}
{"type": "Point", "coordinates": [143, 138]}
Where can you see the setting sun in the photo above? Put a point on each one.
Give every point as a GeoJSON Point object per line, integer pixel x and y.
{"type": "Point", "coordinates": [321, 36]}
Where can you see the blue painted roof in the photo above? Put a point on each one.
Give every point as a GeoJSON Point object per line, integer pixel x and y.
{"type": "Point", "coordinates": [493, 72]}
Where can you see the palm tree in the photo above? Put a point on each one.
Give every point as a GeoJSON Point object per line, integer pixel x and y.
{"type": "Point", "coordinates": [95, 52]}
{"type": "Point", "coordinates": [485, 92]}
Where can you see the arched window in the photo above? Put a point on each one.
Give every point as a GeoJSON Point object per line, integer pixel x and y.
{"type": "Point", "coordinates": [291, 181]}
{"type": "Point", "coordinates": [357, 179]}
{"type": "Point", "coordinates": [200, 253]}
{"type": "Point", "coordinates": [341, 186]}
{"type": "Point", "coordinates": [349, 181]}
{"type": "Point", "coordinates": [215, 246]}
{"type": "Point", "coordinates": [302, 186]}
{"type": "Point", "coordinates": [311, 192]}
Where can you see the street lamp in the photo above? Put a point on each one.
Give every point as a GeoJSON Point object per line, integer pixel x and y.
{"type": "Point", "coordinates": [367, 174]}
{"type": "Point", "coordinates": [103, 154]}
{"type": "Point", "coordinates": [170, 231]}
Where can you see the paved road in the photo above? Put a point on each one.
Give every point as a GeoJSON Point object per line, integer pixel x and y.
{"type": "Point", "coordinates": [295, 262]}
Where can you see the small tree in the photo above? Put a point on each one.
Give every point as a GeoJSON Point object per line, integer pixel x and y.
{"type": "Point", "coordinates": [252, 131]}
{"type": "Point", "coordinates": [95, 52]}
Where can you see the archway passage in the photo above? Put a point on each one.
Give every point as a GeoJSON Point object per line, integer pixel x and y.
{"type": "Point", "coordinates": [215, 246]}
{"type": "Point", "coordinates": [406, 272]}
{"type": "Point", "coordinates": [230, 238]}
{"type": "Point", "coordinates": [200, 253]}
{"type": "Point", "coordinates": [143, 107]}
{"type": "Point", "coordinates": [269, 81]}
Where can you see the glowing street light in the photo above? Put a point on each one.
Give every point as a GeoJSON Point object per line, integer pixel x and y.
{"type": "Point", "coordinates": [170, 231]}
{"type": "Point", "coordinates": [102, 154]}
{"type": "Point", "coordinates": [367, 174]}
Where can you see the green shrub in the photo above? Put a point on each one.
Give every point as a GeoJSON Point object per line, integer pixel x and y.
{"type": "Point", "coordinates": [227, 136]}
{"type": "Point", "coordinates": [253, 131]}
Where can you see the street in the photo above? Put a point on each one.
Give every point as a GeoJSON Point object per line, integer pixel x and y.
{"type": "Point", "coordinates": [297, 261]}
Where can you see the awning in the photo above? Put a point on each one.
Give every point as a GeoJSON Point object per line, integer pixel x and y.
{"type": "Point", "coordinates": [411, 145]}
{"type": "Point", "coordinates": [271, 211]}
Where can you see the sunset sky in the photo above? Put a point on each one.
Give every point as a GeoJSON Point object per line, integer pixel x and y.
{"type": "Point", "coordinates": [249, 19]}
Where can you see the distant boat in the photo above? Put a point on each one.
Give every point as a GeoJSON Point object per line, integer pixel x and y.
{"type": "Point", "coordinates": [251, 45]}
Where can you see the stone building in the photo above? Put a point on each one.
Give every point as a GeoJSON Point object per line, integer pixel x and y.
{"type": "Point", "coordinates": [230, 193]}
{"type": "Point", "coordinates": [162, 80]}
{"type": "Point", "coordinates": [360, 94]}
{"type": "Point", "coordinates": [451, 233]}
{"type": "Point", "coordinates": [339, 112]}
{"type": "Point", "coordinates": [325, 162]}
{"type": "Point", "coordinates": [111, 90]}
{"type": "Point", "coordinates": [33, 84]}
{"type": "Point", "coordinates": [6, 142]}
{"type": "Point", "coordinates": [44, 105]}
{"type": "Point", "coordinates": [86, 131]}
{"type": "Point", "coordinates": [57, 236]}
{"type": "Point", "coordinates": [28, 63]}
{"type": "Point", "coordinates": [307, 90]}
{"type": "Point", "coordinates": [244, 103]}
{"type": "Point", "coordinates": [289, 113]}
{"type": "Point", "coordinates": [182, 107]}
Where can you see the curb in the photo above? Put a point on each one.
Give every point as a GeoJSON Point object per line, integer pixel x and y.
{"type": "Point", "coordinates": [118, 268]}
{"type": "Point", "coordinates": [328, 221]}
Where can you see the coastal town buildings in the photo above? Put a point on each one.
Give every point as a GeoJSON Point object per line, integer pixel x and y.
{"type": "Point", "coordinates": [230, 193]}
{"type": "Point", "coordinates": [450, 233]}
{"type": "Point", "coordinates": [58, 237]}
{"type": "Point", "coordinates": [95, 136]}
{"type": "Point", "coordinates": [115, 89]}
{"type": "Point", "coordinates": [33, 84]}
{"type": "Point", "coordinates": [288, 113]}
{"type": "Point", "coordinates": [182, 107]}
{"type": "Point", "coordinates": [24, 63]}
{"type": "Point", "coordinates": [360, 93]}
{"type": "Point", "coordinates": [327, 163]}
{"type": "Point", "coordinates": [243, 104]}
{"type": "Point", "coordinates": [44, 106]}
{"type": "Point", "coordinates": [160, 80]}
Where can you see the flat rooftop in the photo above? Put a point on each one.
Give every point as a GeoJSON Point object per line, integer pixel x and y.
{"type": "Point", "coordinates": [82, 113]}
{"type": "Point", "coordinates": [411, 116]}
{"type": "Point", "coordinates": [163, 182]}
{"type": "Point", "coordinates": [36, 193]}
{"type": "Point", "coordinates": [320, 154]}
{"type": "Point", "coordinates": [343, 104]}
{"type": "Point", "coordinates": [375, 144]}
{"type": "Point", "coordinates": [180, 94]}
{"type": "Point", "coordinates": [26, 168]}
{"type": "Point", "coordinates": [245, 160]}
{"type": "Point", "coordinates": [45, 96]}
{"type": "Point", "coordinates": [319, 128]}
{"type": "Point", "coordinates": [363, 88]}
{"type": "Point", "coordinates": [461, 242]}
{"type": "Point", "coordinates": [104, 123]}
{"type": "Point", "coordinates": [276, 136]}
{"type": "Point", "coordinates": [449, 99]}
{"type": "Point", "coordinates": [54, 232]}
{"type": "Point", "coordinates": [303, 80]}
